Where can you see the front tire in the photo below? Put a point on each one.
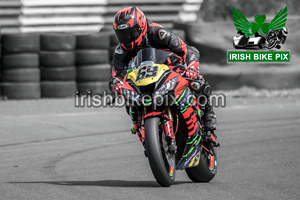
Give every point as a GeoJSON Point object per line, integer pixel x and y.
{"type": "Point", "coordinates": [153, 148]}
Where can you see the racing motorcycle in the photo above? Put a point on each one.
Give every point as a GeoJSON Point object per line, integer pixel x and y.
{"type": "Point", "coordinates": [276, 37]}
{"type": "Point", "coordinates": [158, 118]}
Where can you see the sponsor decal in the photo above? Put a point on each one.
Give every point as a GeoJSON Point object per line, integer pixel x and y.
{"type": "Point", "coordinates": [119, 50]}
{"type": "Point", "coordinates": [146, 71]}
{"type": "Point", "coordinates": [123, 26]}
{"type": "Point", "coordinates": [162, 34]}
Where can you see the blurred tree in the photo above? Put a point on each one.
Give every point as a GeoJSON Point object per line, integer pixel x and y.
{"type": "Point", "coordinates": [216, 10]}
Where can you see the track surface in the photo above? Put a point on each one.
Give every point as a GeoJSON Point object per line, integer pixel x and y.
{"type": "Point", "coordinates": [50, 150]}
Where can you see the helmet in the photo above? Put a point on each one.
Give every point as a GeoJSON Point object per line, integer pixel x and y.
{"type": "Point", "coordinates": [130, 26]}
{"type": "Point", "coordinates": [285, 30]}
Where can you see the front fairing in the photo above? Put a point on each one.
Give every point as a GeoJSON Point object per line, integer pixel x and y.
{"type": "Point", "coordinates": [147, 70]}
{"type": "Point", "coordinates": [147, 74]}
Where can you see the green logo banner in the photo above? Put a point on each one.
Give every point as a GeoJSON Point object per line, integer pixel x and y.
{"type": "Point", "coordinates": [259, 26]}
{"type": "Point", "coordinates": [234, 56]}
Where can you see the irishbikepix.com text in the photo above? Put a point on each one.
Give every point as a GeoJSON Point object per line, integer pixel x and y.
{"type": "Point", "coordinates": [107, 99]}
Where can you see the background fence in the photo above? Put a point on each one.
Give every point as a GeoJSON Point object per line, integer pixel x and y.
{"type": "Point", "coordinates": [37, 62]}
{"type": "Point", "coordinates": [87, 15]}
{"type": "Point", "coordinates": [54, 65]}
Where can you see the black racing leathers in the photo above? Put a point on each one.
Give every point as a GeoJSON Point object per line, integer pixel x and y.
{"type": "Point", "coordinates": [163, 39]}
{"type": "Point", "coordinates": [159, 38]}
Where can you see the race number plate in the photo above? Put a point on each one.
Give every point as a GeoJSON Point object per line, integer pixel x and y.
{"type": "Point", "coordinates": [147, 71]}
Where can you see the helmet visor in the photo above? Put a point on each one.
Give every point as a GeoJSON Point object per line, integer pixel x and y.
{"type": "Point", "coordinates": [128, 35]}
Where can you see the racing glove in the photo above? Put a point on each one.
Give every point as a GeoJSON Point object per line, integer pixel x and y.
{"type": "Point", "coordinates": [180, 69]}
{"type": "Point", "coordinates": [192, 70]}
{"type": "Point", "coordinates": [115, 84]}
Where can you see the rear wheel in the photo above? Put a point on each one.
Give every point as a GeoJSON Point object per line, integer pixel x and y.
{"type": "Point", "coordinates": [206, 170]}
{"type": "Point", "coordinates": [161, 161]}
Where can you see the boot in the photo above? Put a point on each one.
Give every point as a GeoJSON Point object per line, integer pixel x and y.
{"type": "Point", "coordinates": [210, 119]}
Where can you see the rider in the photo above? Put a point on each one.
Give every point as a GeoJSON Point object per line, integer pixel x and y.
{"type": "Point", "coordinates": [275, 37]}
{"type": "Point", "coordinates": [135, 32]}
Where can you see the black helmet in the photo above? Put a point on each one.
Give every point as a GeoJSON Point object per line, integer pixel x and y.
{"type": "Point", "coordinates": [130, 26]}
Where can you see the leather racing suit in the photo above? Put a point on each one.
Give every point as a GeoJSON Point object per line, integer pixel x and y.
{"type": "Point", "coordinates": [160, 38]}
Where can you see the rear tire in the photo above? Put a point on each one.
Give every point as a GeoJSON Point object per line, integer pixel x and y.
{"type": "Point", "coordinates": [93, 41]}
{"type": "Point", "coordinates": [17, 61]}
{"type": "Point", "coordinates": [58, 89]}
{"type": "Point", "coordinates": [201, 173]}
{"type": "Point", "coordinates": [58, 42]}
{"type": "Point", "coordinates": [94, 87]}
{"type": "Point", "coordinates": [58, 74]}
{"type": "Point", "coordinates": [92, 57]}
{"type": "Point", "coordinates": [20, 43]}
{"type": "Point", "coordinates": [21, 90]}
{"type": "Point", "coordinates": [89, 73]}
{"type": "Point", "coordinates": [57, 59]}
{"type": "Point", "coordinates": [21, 75]}
{"type": "Point", "coordinates": [152, 145]}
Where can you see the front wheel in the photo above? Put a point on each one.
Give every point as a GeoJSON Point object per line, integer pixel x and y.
{"type": "Point", "coordinates": [163, 172]}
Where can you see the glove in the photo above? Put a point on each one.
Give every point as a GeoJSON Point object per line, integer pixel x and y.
{"type": "Point", "coordinates": [179, 69]}
{"type": "Point", "coordinates": [192, 70]}
{"type": "Point", "coordinates": [115, 84]}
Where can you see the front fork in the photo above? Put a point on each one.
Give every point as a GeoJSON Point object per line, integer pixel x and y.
{"type": "Point", "coordinates": [166, 124]}
{"type": "Point", "coordinates": [169, 130]}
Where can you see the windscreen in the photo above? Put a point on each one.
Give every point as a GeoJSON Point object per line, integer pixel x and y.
{"type": "Point", "coordinates": [150, 55]}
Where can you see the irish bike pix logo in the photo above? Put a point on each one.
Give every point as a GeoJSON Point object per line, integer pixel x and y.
{"type": "Point", "coordinates": [259, 41]}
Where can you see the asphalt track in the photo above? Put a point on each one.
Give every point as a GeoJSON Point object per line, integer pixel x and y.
{"type": "Point", "coordinates": [50, 150]}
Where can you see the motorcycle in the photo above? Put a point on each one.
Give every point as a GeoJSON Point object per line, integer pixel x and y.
{"type": "Point", "coordinates": [276, 37]}
{"type": "Point", "coordinates": [242, 42]}
{"type": "Point", "coordinates": [159, 118]}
